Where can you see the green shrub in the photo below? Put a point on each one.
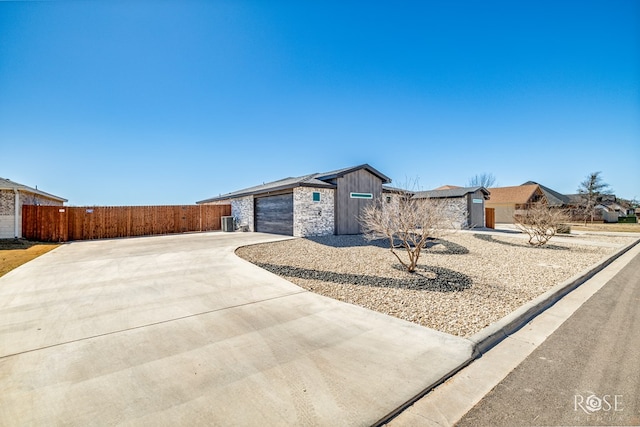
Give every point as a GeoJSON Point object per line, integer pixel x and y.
{"type": "Point", "coordinates": [628, 219]}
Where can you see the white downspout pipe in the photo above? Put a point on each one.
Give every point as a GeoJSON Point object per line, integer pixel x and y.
{"type": "Point", "coordinates": [17, 212]}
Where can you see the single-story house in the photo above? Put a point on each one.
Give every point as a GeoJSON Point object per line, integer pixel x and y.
{"type": "Point", "coordinates": [554, 199]}
{"type": "Point", "coordinates": [310, 205]}
{"type": "Point", "coordinates": [611, 211]}
{"type": "Point", "coordinates": [12, 197]}
{"type": "Point", "coordinates": [606, 207]}
{"type": "Point", "coordinates": [470, 202]}
{"type": "Point", "coordinates": [507, 201]}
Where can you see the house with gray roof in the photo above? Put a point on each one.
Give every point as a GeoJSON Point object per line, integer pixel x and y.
{"type": "Point", "coordinates": [12, 196]}
{"type": "Point", "coordinates": [553, 198]}
{"type": "Point", "coordinates": [469, 201]}
{"type": "Point", "coordinates": [310, 205]}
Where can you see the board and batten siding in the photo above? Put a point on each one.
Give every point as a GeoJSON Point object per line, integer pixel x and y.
{"type": "Point", "coordinates": [475, 210]}
{"type": "Point", "coordinates": [348, 209]}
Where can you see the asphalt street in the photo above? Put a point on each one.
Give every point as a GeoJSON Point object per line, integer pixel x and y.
{"type": "Point", "coordinates": [586, 373]}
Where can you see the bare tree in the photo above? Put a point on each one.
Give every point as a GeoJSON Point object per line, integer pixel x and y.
{"type": "Point", "coordinates": [540, 222]}
{"type": "Point", "coordinates": [591, 191]}
{"type": "Point", "coordinates": [484, 179]}
{"type": "Point", "coordinates": [408, 223]}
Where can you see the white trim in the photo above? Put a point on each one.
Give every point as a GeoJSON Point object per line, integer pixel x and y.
{"type": "Point", "coordinates": [16, 231]}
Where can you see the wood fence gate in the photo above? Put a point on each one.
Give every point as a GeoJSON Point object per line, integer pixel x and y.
{"type": "Point", "coordinates": [490, 217]}
{"type": "Point", "coordinates": [62, 223]}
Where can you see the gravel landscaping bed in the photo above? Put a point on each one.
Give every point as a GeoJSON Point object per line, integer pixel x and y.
{"type": "Point", "coordinates": [464, 281]}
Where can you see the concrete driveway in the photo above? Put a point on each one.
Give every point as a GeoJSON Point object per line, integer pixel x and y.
{"type": "Point", "coordinates": [177, 330]}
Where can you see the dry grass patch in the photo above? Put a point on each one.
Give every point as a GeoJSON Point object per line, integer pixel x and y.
{"type": "Point", "coordinates": [612, 228]}
{"type": "Point", "coordinates": [15, 252]}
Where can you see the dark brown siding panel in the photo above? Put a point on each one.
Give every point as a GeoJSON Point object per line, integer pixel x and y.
{"type": "Point", "coordinates": [348, 209]}
{"type": "Point", "coordinates": [274, 214]}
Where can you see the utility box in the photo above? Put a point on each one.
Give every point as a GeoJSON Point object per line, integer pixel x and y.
{"type": "Point", "coordinates": [227, 223]}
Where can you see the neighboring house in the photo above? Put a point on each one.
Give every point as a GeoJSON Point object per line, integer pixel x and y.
{"type": "Point", "coordinates": [611, 210]}
{"type": "Point", "coordinates": [310, 205]}
{"type": "Point", "coordinates": [606, 208]}
{"type": "Point", "coordinates": [12, 197]}
{"type": "Point", "coordinates": [507, 201]}
{"type": "Point", "coordinates": [554, 199]}
{"type": "Point", "coordinates": [469, 200]}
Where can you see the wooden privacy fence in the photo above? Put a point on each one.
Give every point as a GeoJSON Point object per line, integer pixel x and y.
{"type": "Point", "coordinates": [62, 223]}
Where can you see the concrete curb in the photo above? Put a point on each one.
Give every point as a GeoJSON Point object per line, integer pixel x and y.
{"type": "Point", "coordinates": [496, 332]}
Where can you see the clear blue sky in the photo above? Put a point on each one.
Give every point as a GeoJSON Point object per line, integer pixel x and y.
{"type": "Point", "coordinates": [170, 102]}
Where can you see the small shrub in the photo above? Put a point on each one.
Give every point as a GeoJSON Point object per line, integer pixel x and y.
{"type": "Point", "coordinates": [540, 223]}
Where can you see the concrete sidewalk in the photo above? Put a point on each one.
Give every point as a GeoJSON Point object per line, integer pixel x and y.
{"type": "Point", "coordinates": [177, 330]}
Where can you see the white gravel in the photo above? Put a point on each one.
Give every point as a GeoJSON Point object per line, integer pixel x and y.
{"type": "Point", "coordinates": [465, 281]}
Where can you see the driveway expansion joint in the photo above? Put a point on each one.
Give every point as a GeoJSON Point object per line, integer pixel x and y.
{"type": "Point", "coordinates": [133, 328]}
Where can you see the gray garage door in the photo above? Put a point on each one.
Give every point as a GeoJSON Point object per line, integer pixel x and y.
{"type": "Point", "coordinates": [274, 214]}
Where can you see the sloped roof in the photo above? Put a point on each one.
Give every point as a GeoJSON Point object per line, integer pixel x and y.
{"type": "Point", "coordinates": [575, 199]}
{"type": "Point", "coordinates": [282, 184]}
{"type": "Point", "coordinates": [7, 184]}
{"type": "Point", "coordinates": [449, 193]}
{"type": "Point", "coordinates": [553, 197]}
{"type": "Point", "coordinates": [341, 172]}
{"type": "Point", "coordinates": [390, 189]}
{"type": "Point", "coordinates": [447, 187]}
{"type": "Point", "coordinates": [519, 194]}
{"type": "Point", "coordinates": [311, 180]}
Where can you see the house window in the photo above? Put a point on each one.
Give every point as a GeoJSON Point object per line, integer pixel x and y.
{"type": "Point", "coordinates": [316, 196]}
{"type": "Point", "coordinates": [388, 199]}
{"type": "Point", "coordinates": [361, 195]}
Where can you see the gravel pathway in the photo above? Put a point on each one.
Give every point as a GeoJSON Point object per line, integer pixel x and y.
{"type": "Point", "coordinates": [464, 282]}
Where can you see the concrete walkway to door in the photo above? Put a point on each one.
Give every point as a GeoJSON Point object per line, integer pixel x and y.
{"type": "Point", "coordinates": [177, 330]}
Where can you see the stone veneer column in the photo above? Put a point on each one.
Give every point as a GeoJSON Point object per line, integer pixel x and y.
{"type": "Point", "coordinates": [313, 218]}
{"type": "Point", "coordinates": [242, 211]}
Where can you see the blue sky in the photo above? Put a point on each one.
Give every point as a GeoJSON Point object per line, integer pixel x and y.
{"type": "Point", "coordinates": [170, 102]}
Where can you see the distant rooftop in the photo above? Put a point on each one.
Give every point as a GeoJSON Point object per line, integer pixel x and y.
{"type": "Point", "coordinates": [451, 191]}
{"type": "Point", "coordinates": [519, 194]}
{"type": "Point", "coordinates": [553, 197]}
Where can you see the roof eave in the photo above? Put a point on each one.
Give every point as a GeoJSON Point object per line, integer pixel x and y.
{"type": "Point", "coordinates": [265, 191]}
{"type": "Point", "coordinates": [341, 173]}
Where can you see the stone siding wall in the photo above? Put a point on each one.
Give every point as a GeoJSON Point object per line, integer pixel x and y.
{"type": "Point", "coordinates": [35, 199]}
{"type": "Point", "coordinates": [7, 198]}
{"type": "Point", "coordinates": [242, 210]}
{"type": "Point", "coordinates": [457, 212]}
{"type": "Point", "coordinates": [391, 201]}
{"type": "Point", "coordinates": [313, 218]}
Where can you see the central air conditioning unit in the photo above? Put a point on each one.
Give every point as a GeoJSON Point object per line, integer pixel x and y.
{"type": "Point", "coordinates": [227, 223]}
